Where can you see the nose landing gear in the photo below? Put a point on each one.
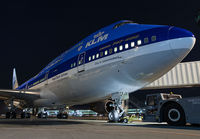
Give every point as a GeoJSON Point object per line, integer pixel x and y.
{"type": "Point", "coordinates": [118, 112]}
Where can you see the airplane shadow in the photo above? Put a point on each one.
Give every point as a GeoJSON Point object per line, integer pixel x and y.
{"type": "Point", "coordinates": [186, 127]}
{"type": "Point", "coordinates": [38, 122]}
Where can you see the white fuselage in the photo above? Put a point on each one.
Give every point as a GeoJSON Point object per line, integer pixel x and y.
{"type": "Point", "coordinates": [126, 71]}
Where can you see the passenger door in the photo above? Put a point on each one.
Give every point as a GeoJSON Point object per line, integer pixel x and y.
{"type": "Point", "coordinates": [46, 77]}
{"type": "Point", "coordinates": [81, 62]}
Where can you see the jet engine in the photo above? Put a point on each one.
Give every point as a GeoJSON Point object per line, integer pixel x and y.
{"type": "Point", "coordinates": [102, 107]}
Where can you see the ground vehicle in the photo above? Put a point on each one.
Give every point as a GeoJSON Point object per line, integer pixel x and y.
{"type": "Point", "coordinates": [172, 108]}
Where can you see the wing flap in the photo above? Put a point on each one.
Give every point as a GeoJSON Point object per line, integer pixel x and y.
{"type": "Point", "coordinates": [26, 95]}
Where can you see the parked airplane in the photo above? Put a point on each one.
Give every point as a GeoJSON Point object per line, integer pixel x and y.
{"type": "Point", "coordinates": [118, 59]}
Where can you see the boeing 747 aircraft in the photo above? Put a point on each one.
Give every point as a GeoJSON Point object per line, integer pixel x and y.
{"type": "Point", "coordinates": [116, 60]}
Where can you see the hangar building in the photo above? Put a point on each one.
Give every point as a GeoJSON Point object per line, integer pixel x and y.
{"type": "Point", "coordinates": [183, 79]}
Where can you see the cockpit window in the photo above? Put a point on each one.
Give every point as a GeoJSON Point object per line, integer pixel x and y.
{"type": "Point", "coordinates": [122, 23]}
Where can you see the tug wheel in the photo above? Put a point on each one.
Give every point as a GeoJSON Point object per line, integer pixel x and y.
{"type": "Point", "coordinates": [175, 115]}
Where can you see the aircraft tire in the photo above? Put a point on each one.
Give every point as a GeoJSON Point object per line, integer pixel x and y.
{"type": "Point", "coordinates": [113, 116]}
{"type": "Point", "coordinates": [22, 115]}
{"type": "Point", "coordinates": [28, 115]}
{"type": "Point", "coordinates": [7, 115]}
{"type": "Point", "coordinates": [59, 115]}
{"type": "Point", "coordinates": [13, 115]}
{"type": "Point", "coordinates": [125, 121]}
{"type": "Point", "coordinates": [65, 116]}
{"type": "Point", "coordinates": [39, 115]}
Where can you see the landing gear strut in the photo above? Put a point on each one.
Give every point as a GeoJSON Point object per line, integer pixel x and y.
{"type": "Point", "coordinates": [118, 112]}
{"type": "Point", "coordinates": [62, 113]}
{"type": "Point", "coordinates": [26, 113]}
{"type": "Point", "coordinates": [12, 113]}
{"type": "Point", "coordinates": [42, 113]}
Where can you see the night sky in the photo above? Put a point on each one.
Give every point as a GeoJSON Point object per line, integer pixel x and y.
{"type": "Point", "coordinates": [34, 33]}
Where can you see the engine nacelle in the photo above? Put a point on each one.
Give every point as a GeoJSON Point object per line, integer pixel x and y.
{"type": "Point", "coordinates": [102, 107]}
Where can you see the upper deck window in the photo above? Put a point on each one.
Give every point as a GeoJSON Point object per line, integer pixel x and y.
{"type": "Point", "coordinates": [122, 23]}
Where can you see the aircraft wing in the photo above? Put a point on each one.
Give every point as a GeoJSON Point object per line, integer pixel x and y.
{"type": "Point", "coordinates": [26, 95]}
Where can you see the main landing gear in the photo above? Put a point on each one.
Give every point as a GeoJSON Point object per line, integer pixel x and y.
{"type": "Point", "coordinates": [11, 114]}
{"type": "Point", "coordinates": [26, 113]}
{"type": "Point", "coordinates": [41, 113]}
{"type": "Point", "coordinates": [117, 114]}
{"type": "Point", "coordinates": [62, 114]}
{"type": "Point", "coordinates": [12, 111]}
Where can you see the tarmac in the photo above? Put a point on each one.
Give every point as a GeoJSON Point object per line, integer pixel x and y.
{"type": "Point", "coordinates": [91, 129]}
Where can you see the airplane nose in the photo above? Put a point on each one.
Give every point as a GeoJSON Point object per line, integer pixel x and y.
{"type": "Point", "coordinates": [181, 41]}
{"type": "Point", "coordinates": [175, 32]}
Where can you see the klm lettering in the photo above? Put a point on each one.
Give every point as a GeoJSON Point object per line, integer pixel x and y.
{"type": "Point", "coordinates": [96, 40]}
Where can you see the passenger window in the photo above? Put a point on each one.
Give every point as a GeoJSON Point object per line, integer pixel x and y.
{"type": "Point", "coordinates": [110, 51]}
{"type": "Point", "coordinates": [97, 55]}
{"type": "Point", "coordinates": [153, 38]}
{"type": "Point", "coordinates": [93, 57]}
{"type": "Point", "coordinates": [115, 49]}
{"type": "Point", "coordinates": [89, 58]}
{"type": "Point", "coordinates": [132, 44]}
{"type": "Point", "coordinates": [120, 47]}
{"type": "Point", "coordinates": [101, 54]}
{"type": "Point", "coordinates": [139, 42]}
{"type": "Point", "coordinates": [126, 46]}
{"type": "Point", "coordinates": [106, 52]}
{"type": "Point", "coordinates": [146, 40]}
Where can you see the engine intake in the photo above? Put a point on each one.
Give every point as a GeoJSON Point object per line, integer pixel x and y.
{"type": "Point", "coordinates": [102, 107]}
